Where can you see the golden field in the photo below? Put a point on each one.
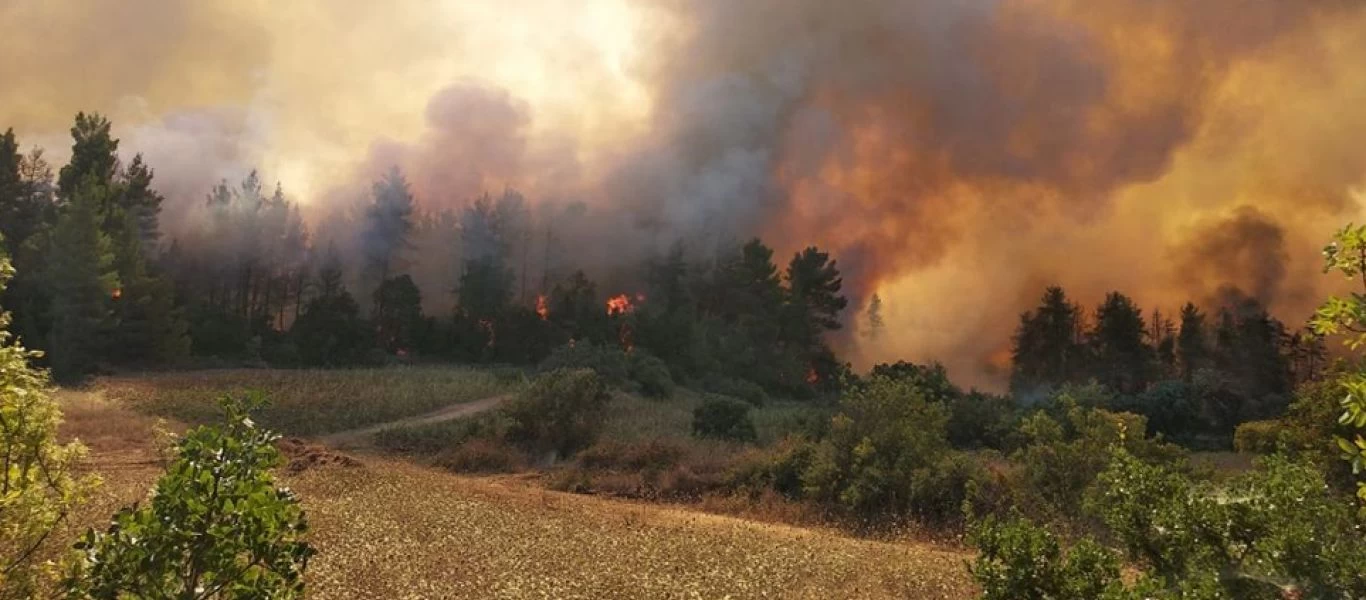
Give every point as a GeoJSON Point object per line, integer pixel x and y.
{"type": "Point", "coordinates": [388, 528]}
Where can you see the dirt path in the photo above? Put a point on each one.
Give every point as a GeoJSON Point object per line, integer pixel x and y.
{"type": "Point", "coordinates": [363, 437]}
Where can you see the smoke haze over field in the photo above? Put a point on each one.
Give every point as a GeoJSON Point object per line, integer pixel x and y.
{"type": "Point", "coordinates": [954, 156]}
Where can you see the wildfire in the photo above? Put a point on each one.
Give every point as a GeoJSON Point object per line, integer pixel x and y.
{"type": "Point", "coordinates": [116, 294]}
{"type": "Point", "coordinates": [620, 305]}
{"type": "Point", "coordinates": [542, 308]}
{"type": "Point", "coordinates": [812, 377]}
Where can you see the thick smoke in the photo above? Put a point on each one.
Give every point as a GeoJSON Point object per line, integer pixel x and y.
{"type": "Point", "coordinates": [955, 156]}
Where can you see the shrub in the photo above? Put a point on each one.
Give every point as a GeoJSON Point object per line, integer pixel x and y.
{"type": "Point", "coordinates": [723, 418]}
{"type": "Point", "coordinates": [779, 468]}
{"type": "Point", "coordinates": [651, 375]}
{"type": "Point", "coordinates": [886, 433]}
{"type": "Point", "coordinates": [743, 389]}
{"type": "Point", "coordinates": [1060, 459]}
{"type": "Point", "coordinates": [1276, 532]}
{"type": "Point", "coordinates": [39, 486]}
{"type": "Point", "coordinates": [957, 479]}
{"type": "Point", "coordinates": [562, 412]}
{"type": "Point", "coordinates": [216, 525]}
{"type": "Point", "coordinates": [636, 370]}
{"type": "Point", "coordinates": [1018, 560]}
{"type": "Point", "coordinates": [482, 455]}
{"type": "Point", "coordinates": [609, 362]}
{"type": "Point", "coordinates": [1261, 437]}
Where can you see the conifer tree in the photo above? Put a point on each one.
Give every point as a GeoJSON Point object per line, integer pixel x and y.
{"type": "Point", "coordinates": [83, 281]}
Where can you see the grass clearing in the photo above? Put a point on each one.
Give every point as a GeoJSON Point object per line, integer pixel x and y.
{"type": "Point", "coordinates": [392, 529]}
{"type": "Point", "coordinates": [311, 402]}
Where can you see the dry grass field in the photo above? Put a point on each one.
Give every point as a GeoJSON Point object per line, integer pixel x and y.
{"type": "Point", "coordinates": [311, 402]}
{"type": "Point", "coordinates": [393, 529]}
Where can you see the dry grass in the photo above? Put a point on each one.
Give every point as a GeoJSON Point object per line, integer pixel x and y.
{"type": "Point", "coordinates": [445, 536]}
{"type": "Point", "coordinates": [310, 402]}
{"type": "Point", "coordinates": [391, 529]}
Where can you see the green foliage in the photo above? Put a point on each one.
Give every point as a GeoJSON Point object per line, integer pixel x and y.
{"type": "Point", "coordinates": [1277, 529]}
{"type": "Point", "coordinates": [743, 389]}
{"type": "Point", "coordinates": [40, 486]}
{"type": "Point", "coordinates": [1048, 346]}
{"type": "Point", "coordinates": [398, 314]}
{"type": "Point", "coordinates": [1274, 533]}
{"type": "Point", "coordinates": [635, 370]}
{"type": "Point", "coordinates": [1123, 361]}
{"type": "Point", "coordinates": [216, 525]}
{"type": "Point", "coordinates": [723, 418]}
{"type": "Point", "coordinates": [879, 446]}
{"type": "Point", "coordinates": [82, 279]}
{"type": "Point", "coordinates": [330, 332]}
{"type": "Point", "coordinates": [1260, 437]}
{"type": "Point", "coordinates": [651, 375]}
{"type": "Point", "coordinates": [1018, 560]}
{"type": "Point", "coordinates": [561, 413]}
{"type": "Point", "coordinates": [1347, 316]}
{"type": "Point", "coordinates": [1061, 457]}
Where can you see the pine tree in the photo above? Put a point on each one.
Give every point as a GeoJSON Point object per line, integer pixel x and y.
{"type": "Point", "coordinates": [388, 224]}
{"type": "Point", "coordinates": [1122, 360]}
{"type": "Point", "coordinates": [1048, 348]}
{"type": "Point", "coordinates": [813, 295]}
{"type": "Point", "coordinates": [139, 201]}
{"type": "Point", "coordinates": [1192, 342]}
{"type": "Point", "coordinates": [149, 328]}
{"type": "Point", "coordinates": [82, 279]}
{"type": "Point", "coordinates": [94, 153]}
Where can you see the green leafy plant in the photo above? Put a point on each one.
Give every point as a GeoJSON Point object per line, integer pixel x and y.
{"type": "Point", "coordinates": [216, 525]}
{"type": "Point", "coordinates": [723, 418]}
{"type": "Point", "coordinates": [39, 488]}
{"type": "Point", "coordinates": [562, 412]}
{"type": "Point", "coordinates": [1347, 316]}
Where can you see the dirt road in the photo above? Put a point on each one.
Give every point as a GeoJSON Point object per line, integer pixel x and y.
{"type": "Point", "coordinates": [363, 437]}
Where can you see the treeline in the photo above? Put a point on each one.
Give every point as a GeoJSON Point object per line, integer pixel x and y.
{"type": "Point", "coordinates": [100, 286]}
{"type": "Point", "coordinates": [1195, 377]}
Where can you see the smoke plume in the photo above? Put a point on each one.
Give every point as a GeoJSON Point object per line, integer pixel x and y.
{"type": "Point", "coordinates": [956, 157]}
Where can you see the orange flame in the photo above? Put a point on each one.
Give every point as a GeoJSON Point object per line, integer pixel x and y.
{"type": "Point", "coordinates": [116, 294]}
{"type": "Point", "coordinates": [619, 305]}
{"type": "Point", "coordinates": [542, 308]}
{"type": "Point", "coordinates": [812, 377]}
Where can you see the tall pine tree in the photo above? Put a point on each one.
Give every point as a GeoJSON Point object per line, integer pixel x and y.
{"type": "Point", "coordinates": [83, 281]}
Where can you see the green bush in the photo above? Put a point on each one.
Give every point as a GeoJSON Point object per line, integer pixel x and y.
{"type": "Point", "coordinates": [216, 525]}
{"type": "Point", "coordinates": [609, 362]}
{"type": "Point", "coordinates": [1059, 460]}
{"type": "Point", "coordinates": [723, 418]}
{"type": "Point", "coordinates": [41, 483]}
{"type": "Point", "coordinates": [651, 375]}
{"type": "Point", "coordinates": [1018, 560]}
{"type": "Point", "coordinates": [637, 370]}
{"type": "Point", "coordinates": [743, 389]}
{"type": "Point", "coordinates": [879, 446]}
{"type": "Point", "coordinates": [1261, 437]}
{"type": "Point", "coordinates": [561, 413]}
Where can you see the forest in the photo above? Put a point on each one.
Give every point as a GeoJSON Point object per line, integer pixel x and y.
{"type": "Point", "coordinates": [1106, 406]}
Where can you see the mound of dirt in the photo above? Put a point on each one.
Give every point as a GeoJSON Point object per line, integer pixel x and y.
{"type": "Point", "coordinates": [304, 456]}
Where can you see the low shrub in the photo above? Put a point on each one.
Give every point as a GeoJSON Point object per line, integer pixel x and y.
{"type": "Point", "coordinates": [723, 418]}
{"type": "Point", "coordinates": [636, 370]}
{"type": "Point", "coordinates": [651, 375]}
{"type": "Point", "coordinates": [482, 455]}
{"type": "Point", "coordinates": [561, 413]}
{"type": "Point", "coordinates": [743, 389]}
{"type": "Point", "coordinates": [1260, 437]}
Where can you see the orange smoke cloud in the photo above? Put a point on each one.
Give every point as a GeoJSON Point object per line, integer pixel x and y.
{"type": "Point", "coordinates": [955, 157]}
